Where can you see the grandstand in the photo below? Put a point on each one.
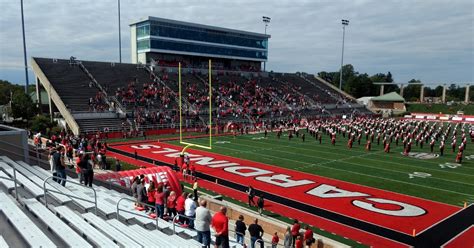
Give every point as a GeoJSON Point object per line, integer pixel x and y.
{"type": "Point", "coordinates": [100, 95]}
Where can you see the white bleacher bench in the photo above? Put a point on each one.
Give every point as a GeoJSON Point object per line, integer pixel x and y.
{"type": "Point", "coordinates": [33, 236]}
{"type": "Point", "coordinates": [62, 199]}
{"type": "Point", "coordinates": [63, 231]}
{"type": "Point", "coordinates": [8, 184]}
{"type": "Point", "coordinates": [114, 234]}
{"type": "Point", "coordinates": [84, 228]}
{"type": "Point", "coordinates": [29, 185]}
{"type": "Point", "coordinates": [3, 243]}
{"type": "Point", "coordinates": [137, 237]}
{"type": "Point", "coordinates": [151, 236]}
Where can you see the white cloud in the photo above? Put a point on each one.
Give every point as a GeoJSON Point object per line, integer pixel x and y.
{"type": "Point", "coordinates": [428, 40]}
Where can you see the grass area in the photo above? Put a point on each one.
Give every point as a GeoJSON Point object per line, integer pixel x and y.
{"type": "Point", "coordinates": [375, 169]}
{"type": "Point", "coordinates": [440, 108]}
{"type": "Point", "coordinates": [244, 205]}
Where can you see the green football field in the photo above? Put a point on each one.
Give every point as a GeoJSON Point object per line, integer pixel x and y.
{"type": "Point", "coordinates": [439, 179]}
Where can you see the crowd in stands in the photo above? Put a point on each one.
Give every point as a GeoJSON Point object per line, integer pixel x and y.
{"type": "Point", "coordinates": [98, 103]}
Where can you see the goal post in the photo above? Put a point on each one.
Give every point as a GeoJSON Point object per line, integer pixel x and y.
{"type": "Point", "coordinates": [209, 124]}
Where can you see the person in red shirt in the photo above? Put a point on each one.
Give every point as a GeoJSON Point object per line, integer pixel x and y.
{"type": "Point", "coordinates": [151, 194]}
{"type": "Point", "coordinates": [295, 231]}
{"type": "Point", "coordinates": [180, 206]}
{"type": "Point", "coordinates": [299, 241]}
{"type": "Point", "coordinates": [275, 240]}
{"type": "Point", "coordinates": [171, 204]}
{"type": "Point", "coordinates": [220, 223]}
{"type": "Point", "coordinates": [308, 237]}
{"type": "Point", "coordinates": [160, 201]}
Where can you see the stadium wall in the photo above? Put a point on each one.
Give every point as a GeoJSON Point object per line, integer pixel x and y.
{"type": "Point", "coordinates": [14, 143]}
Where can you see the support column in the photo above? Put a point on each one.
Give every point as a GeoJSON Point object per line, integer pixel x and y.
{"type": "Point", "coordinates": [50, 105]}
{"type": "Point", "coordinates": [466, 98]}
{"type": "Point", "coordinates": [381, 89]}
{"type": "Point", "coordinates": [401, 90]}
{"type": "Point", "coordinates": [38, 95]}
{"type": "Point", "coordinates": [422, 93]}
{"type": "Point", "coordinates": [443, 96]}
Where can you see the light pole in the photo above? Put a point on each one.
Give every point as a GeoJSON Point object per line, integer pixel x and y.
{"type": "Point", "coordinates": [344, 24]}
{"type": "Point", "coordinates": [24, 49]}
{"type": "Point", "coordinates": [266, 21]}
{"type": "Point", "coordinates": [120, 36]}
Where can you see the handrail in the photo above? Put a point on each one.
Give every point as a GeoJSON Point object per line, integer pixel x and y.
{"type": "Point", "coordinates": [174, 221]}
{"type": "Point", "coordinates": [130, 212]}
{"type": "Point", "coordinates": [258, 240]}
{"type": "Point", "coordinates": [14, 179]}
{"type": "Point", "coordinates": [69, 195]}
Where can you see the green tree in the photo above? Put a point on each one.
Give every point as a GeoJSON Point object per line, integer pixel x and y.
{"type": "Point", "coordinates": [40, 123]}
{"type": "Point", "coordinates": [23, 106]}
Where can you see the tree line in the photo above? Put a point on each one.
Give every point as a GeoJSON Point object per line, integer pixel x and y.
{"type": "Point", "coordinates": [361, 84]}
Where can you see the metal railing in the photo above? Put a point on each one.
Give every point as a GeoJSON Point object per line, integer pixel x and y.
{"type": "Point", "coordinates": [174, 221]}
{"type": "Point", "coordinates": [130, 212]}
{"type": "Point", "coordinates": [259, 241]}
{"type": "Point", "coordinates": [69, 195]}
{"type": "Point", "coordinates": [14, 179]}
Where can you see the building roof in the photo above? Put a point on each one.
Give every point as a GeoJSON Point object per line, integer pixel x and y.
{"type": "Point", "coordinates": [389, 97]}
{"type": "Point", "coordinates": [44, 97]}
{"type": "Point", "coordinates": [152, 18]}
{"type": "Point", "coordinates": [365, 100]}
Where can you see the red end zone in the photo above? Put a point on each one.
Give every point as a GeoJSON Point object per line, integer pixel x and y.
{"type": "Point", "coordinates": [390, 210]}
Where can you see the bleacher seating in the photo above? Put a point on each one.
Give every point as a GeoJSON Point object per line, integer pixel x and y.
{"type": "Point", "coordinates": [67, 223]}
{"type": "Point", "coordinates": [237, 96]}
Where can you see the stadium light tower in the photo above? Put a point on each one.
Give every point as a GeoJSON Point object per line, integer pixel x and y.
{"type": "Point", "coordinates": [344, 24]}
{"type": "Point", "coordinates": [24, 48]}
{"type": "Point", "coordinates": [120, 36]}
{"type": "Point", "coordinates": [266, 21]}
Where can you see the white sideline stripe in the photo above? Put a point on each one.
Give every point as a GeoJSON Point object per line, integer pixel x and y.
{"type": "Point", "coordinates": [93, 235]}
{"type": "Point", "coordinates": [24, 225]}
{"type": "Point", "coordinates": [3, 243]}
{"type": "Point", "coordinates": [72, 239]}
{"type": "Point", "coordinates": [358, 173]}
{"type": "Point", "coordinates": [130, 233]}
{"type": "Point", "coordinates": [455, 237]}
{"type": "Point", "coordinates": [109, 231]}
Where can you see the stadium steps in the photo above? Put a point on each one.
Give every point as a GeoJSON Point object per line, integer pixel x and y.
{"type": "Point", "coordinates": [31, 187]}
{"type": "Point", "coordinates": [63, 231]}
{"type": "Point", "coordinates": [131, 233]}
{"type": "Point", "coordinates": [119, 237]}
{"type": "Point", "coordinates": [31, 233]}
{"type": "Point", "coordinates": [84, 228]}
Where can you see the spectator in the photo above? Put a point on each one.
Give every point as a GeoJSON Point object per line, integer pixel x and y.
{"type": "Point", "coordinates": [134, 189]}
{"type": "Point", "coordinates": [260, 203]}
{"type": "Point", "coordinates": [299, 241]}
{"type": "Point", "coordinates": [240, 229]}
{"type": "Point", "coordinates": [295, 231]}
{"type": "Point", "coordinates": [59, 166]}
{"type": "Point", "coordinates": [308, 237]}
{"type": "Point", "coordinates": [190, 211]}
{"type": "Point", "coordinates": [220, 223]}
{"type": "Point", "coordinates": [80, 175]}
{"type": "Point", "coordinates": [256, 233]}
{"type": "Point", "coordinates": [288, 241]}
{"type": "Point", "coordinates": [171, 204]}
{"type": "Point", "coordinates": [195, 190]}
{"type": "Point", "coordinates": [141, 193]}
{"type": "Point", "coordinates": [180, 206]}
{"type": "Point", "coordinates": [151, 195]}
{"type": "Point", "coordinates": [160, 201]}
{"type": "Point", "coordinates": [87, 167]}
{"type": "Point", "coordinates": [202, 224]}
{"type": "Point", "coordinates": [118, 166]}
{"type": "Point", "coordinates": [275, 240]}
{"type": "Point", "coordinates": [251, 195]}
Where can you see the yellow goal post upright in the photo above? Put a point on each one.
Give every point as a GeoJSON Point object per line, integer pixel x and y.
{"type": "Point", "coordinates": [189, 144]}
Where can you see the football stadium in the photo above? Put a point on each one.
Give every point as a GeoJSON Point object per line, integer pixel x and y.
{"type": "Point", "coordinates": [197, 142]}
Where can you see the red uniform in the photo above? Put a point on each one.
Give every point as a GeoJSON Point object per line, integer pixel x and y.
{"type": "Point", "coordinates": [220, 222]}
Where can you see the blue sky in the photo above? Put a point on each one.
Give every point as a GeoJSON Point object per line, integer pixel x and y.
{"type": "Point", "coordinates": [428, 40]}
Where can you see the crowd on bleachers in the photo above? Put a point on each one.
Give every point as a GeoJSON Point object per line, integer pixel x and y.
{"type": "Point", "coordinates": [98, 103]}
